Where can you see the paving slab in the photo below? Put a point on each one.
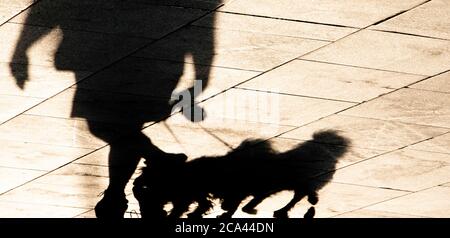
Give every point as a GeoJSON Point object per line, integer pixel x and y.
{"type": "Point", "coordinates": [369, 133]}
{"type": "Point", "coordinates": [430, 19]}
{"type": "Point", "coordinates": [233, 49]}
{"type": "Point", "coordinates": [200, 4]}
{"type": "Point", "coordinates": [249, 105]}
{"type": "Point", "coordinates": [50, 131]}
{"type": "Point", "coordinates": [408, 105]}
{"type": "Point", "coordinates": [37, 156]}
{"type": "Point", "coordinates": [437, 144]}
{"type": "Point", "coordinates": [407, 54]}
{"type": "Point", "coordinates": [408, 170]}
{"type": "Point", "coordinates": [88, 214]}
{"type": "Point", "coordinates": [432, 202]}
{"type": "Point", "coordinates": [438, 83]}
{"type": "Point", "coordinates": [130, 18]}
{"type": "Point", "coordinates": [13, 177]}
{"type": "Point", "coordinates": [11, 8]}
{"type": "Point", "coordinates": [74, 186]}
{"type": "Point", "coordinates": [26, 210]}
{"type": "Point", "coordinates": [98, 157]}
{"type": "Point", "coordinates": [331, 81]}
{"type": "Point", "coordinates": [11, 106]}
{"type": "Point", "coordinates": [367, 213]}
{"type": "Point", "coordinates": [348, 12]}
{"type": "Point", "coordinates": [237, 22]}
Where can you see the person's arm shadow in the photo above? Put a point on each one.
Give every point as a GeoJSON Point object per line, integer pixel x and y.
{"type": "Point", "coordinates": [202, 53]}
{"type": "Point", "coordinates": [29, 36]}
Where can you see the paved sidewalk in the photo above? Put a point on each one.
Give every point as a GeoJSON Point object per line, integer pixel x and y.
{"type": "Point", "coordinates": [376, 71]}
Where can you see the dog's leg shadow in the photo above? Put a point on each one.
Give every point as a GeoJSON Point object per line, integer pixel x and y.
{"type": "Point", "coordinates": [179, 208]}
{"type": "Point", "coordinates": [283, 212]}
{"type": "Point", "coordinates": [313, 198]}
{"type": "Point", "coordinates": [204, 205]}
{"type": "Point", "coordinates": [250, 207]}
{"type": "Point", "coordinates": [230, 204]}
{"type": "Point", "coordinates": [310, 213]}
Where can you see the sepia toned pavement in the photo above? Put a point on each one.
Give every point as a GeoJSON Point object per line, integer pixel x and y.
{"type": "Point", "coordinates": [376, 71]}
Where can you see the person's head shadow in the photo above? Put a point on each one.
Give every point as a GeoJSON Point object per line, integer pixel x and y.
{"type": "Point", "coordinates": [252, 169]}
{"type": "Point", "coordinates": [128, 58]}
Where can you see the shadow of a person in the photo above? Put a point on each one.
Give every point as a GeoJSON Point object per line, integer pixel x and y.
{"type": "Point", "coordinates": [125, 113]}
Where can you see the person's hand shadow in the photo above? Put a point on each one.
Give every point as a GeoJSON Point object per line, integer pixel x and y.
{"type": "Point", "coordinates": [20, 70]}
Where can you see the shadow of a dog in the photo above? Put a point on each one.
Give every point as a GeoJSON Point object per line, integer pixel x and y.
{"type": "Point", "coordinates": [252, 169]}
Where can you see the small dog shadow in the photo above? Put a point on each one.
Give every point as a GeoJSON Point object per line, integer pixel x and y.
{"type": "Point", "coordinates": [252, 169]}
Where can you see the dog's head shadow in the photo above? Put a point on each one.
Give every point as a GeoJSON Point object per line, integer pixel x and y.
{"type": "Point", "coordinates": [253, 169]}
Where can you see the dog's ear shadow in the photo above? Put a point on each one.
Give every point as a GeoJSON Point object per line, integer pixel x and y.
{"type": "Point", "coordinates": [331, 137]}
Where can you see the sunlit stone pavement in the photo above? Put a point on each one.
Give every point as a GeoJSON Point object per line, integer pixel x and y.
{"type": "Point", "coordinates": [378, 72]}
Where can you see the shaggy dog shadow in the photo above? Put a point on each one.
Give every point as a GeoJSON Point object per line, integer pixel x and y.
{"type": "Point", "coordinates": [252, 169]}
